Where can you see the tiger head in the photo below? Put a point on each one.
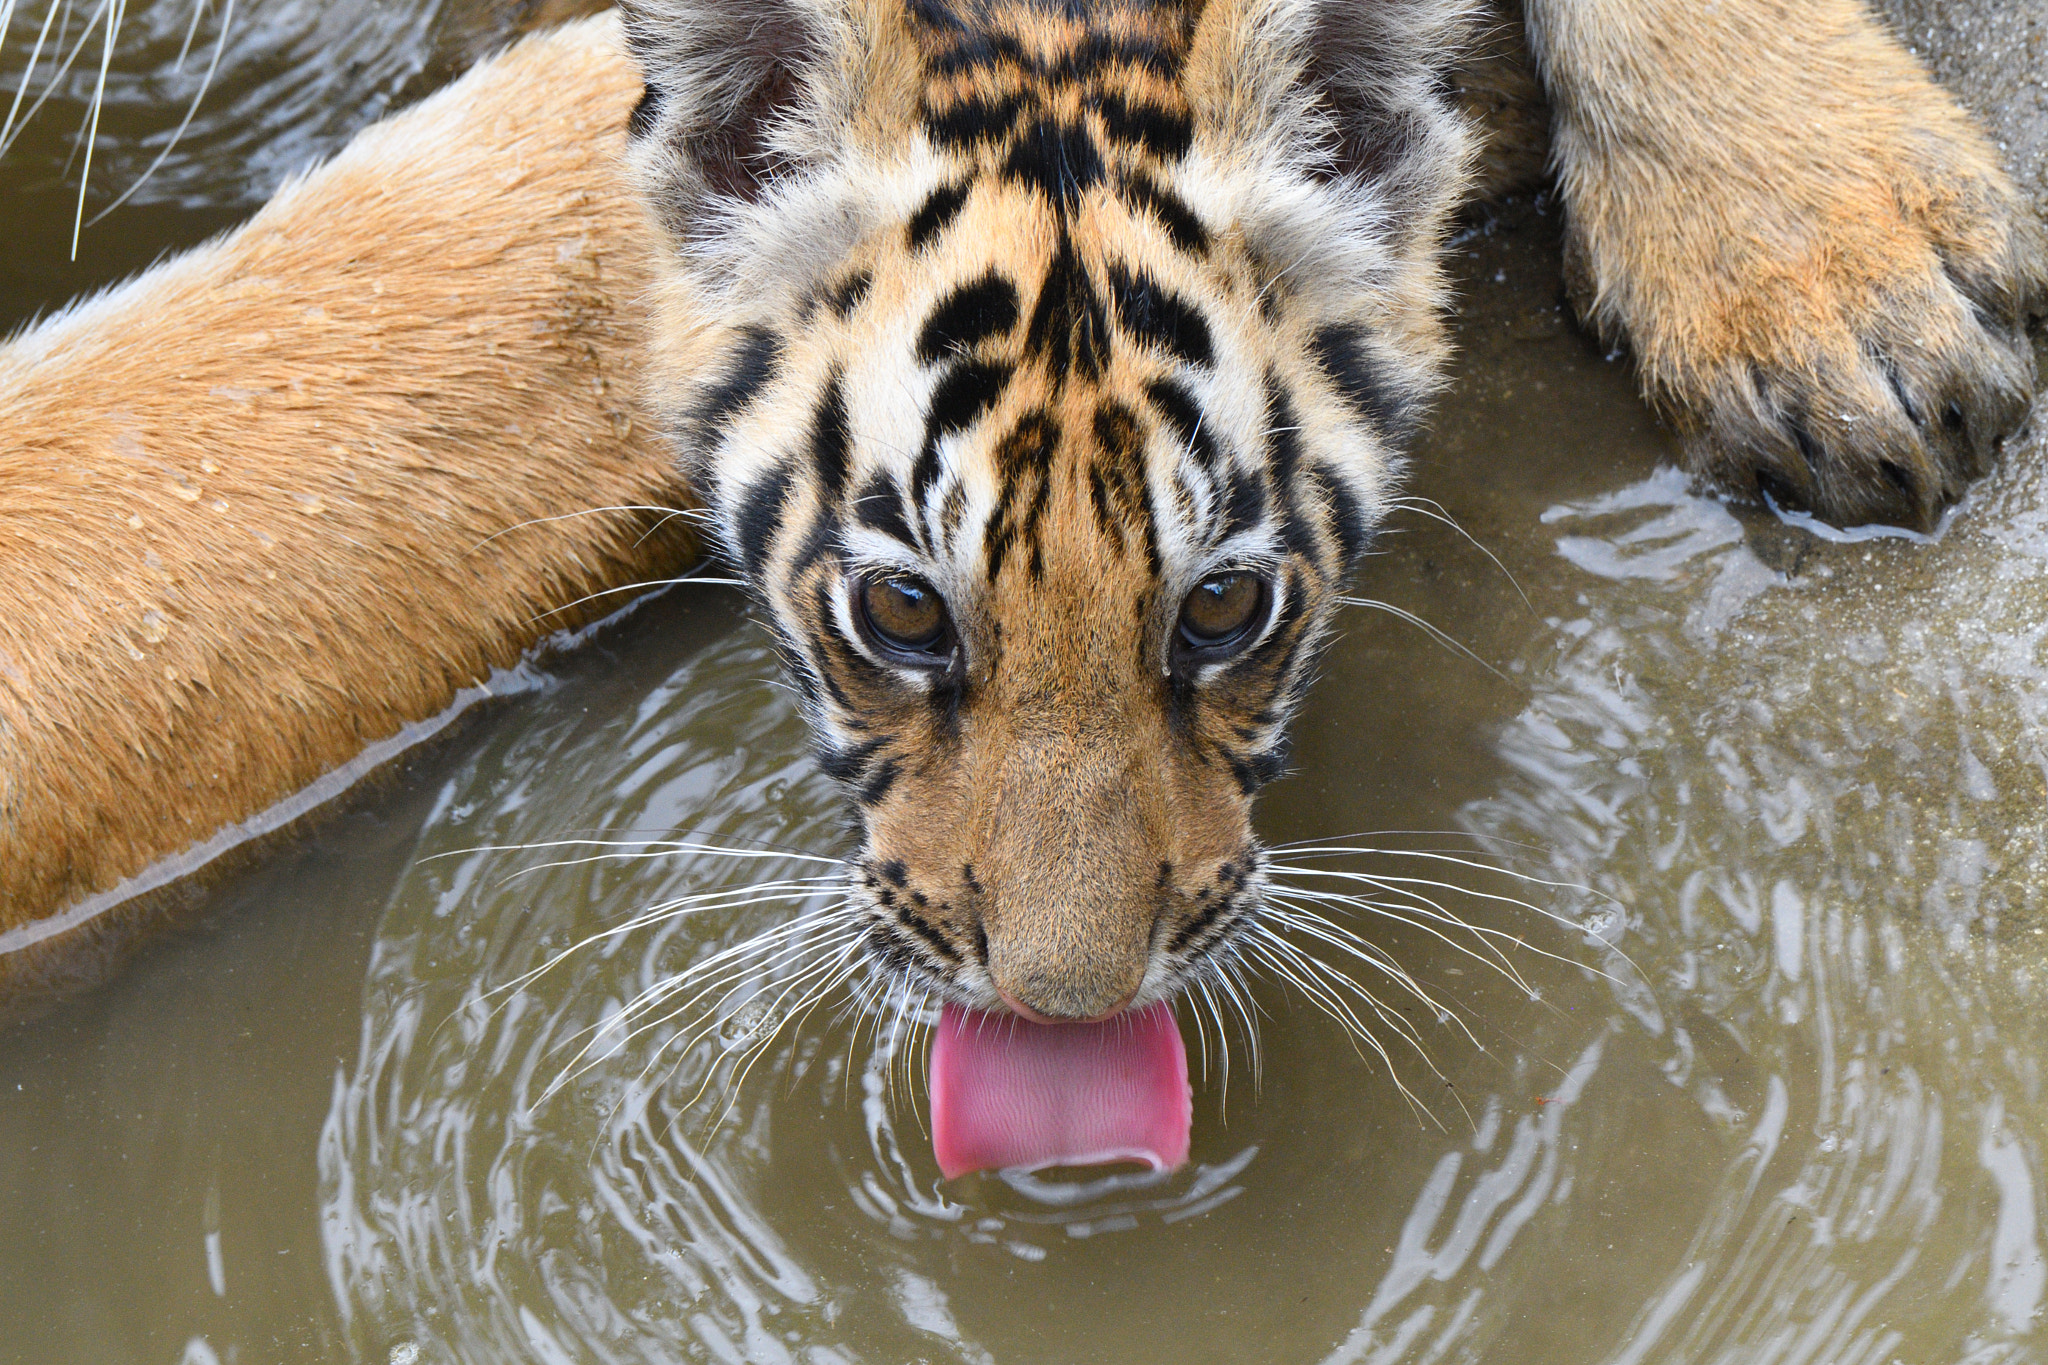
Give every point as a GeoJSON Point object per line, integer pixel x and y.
{"type": "Point", "coordinates": [1044, 366]}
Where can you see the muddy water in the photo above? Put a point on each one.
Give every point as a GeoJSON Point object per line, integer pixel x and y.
{"type": "Point", "coordinates": [1764, 1088]}
{"type": "Point", "coordinates": [285, 81]}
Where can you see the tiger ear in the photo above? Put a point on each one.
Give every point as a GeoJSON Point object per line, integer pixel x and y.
{"type": "Point", "coordinates": [1357, 90]}
{"type": "Point", "coordinates": [1386, 71]}
{"type": "Point", "coordinates": [732, 89]}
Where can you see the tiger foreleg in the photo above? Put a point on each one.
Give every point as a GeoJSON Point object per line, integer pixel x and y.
{"type": "Point", "coordinates": [1822, 270]}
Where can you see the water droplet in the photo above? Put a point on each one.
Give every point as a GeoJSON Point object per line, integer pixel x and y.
{"type": "Point", "coordinates": [309, 503]}
{"type": "Point", "coordinates": [135, 521]}
{"type": "Point", "coordinates": [155, 626]}
{"type": "Point", "coordinates": [748, 1022]}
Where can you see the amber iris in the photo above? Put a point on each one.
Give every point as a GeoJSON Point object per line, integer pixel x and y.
{"type": "Point", "coordinates": [905, 614]}
{"type": "Point", "coordinates": [1221, 609]}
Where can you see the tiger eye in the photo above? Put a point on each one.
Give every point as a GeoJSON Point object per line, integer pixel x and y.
{"type": "Point", "coordinates": [1221, 608]}
{"type": "Point", "coordinates": [906, 613]}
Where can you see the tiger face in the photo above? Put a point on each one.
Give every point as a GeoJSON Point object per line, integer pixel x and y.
{"type": "Point", "coordinates": [1062, 357]}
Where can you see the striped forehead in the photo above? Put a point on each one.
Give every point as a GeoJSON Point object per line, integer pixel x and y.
{"type": "Point", "coordinates": [1046, 351]}
{"type": "Point", "coordinates": [1049, 332]}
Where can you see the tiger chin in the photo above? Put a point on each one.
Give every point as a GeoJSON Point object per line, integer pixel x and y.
{"type": "Point", "coordinates": [1064, 355]}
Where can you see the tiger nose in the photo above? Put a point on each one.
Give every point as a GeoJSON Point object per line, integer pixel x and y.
{"type": "Point", "coordinates": [1018, 1007]}
{"type": "Point", "coordinates": [1081, 984]}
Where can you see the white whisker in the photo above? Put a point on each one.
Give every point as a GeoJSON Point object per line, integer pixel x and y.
{"type": "Point", "coordinates": [1371, 955]}
{"type": "Point", "coordinates": [663, 847]}
{"type": "Point", "coordinates": [648, 585]}
{"type": "Point", "coordinates": [1449, 642]}
{"type": "Point", "coordinates": [658, 996]}
{"type": "Point", "coordinates": [99, 97]}
{"type": "Point", "coordinates": [1434, 510]}
{"type": "Point", "coordinates": [1493, 959]}
{"type": "Point", "coordinates": [667, 514]}
{"type": "Point", "coordinates": [205, 83]}
{"type": "Point", "coordinates": [63, 68]}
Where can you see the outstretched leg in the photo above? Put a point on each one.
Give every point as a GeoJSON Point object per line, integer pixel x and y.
{"type": "Point", "coordinates": [1823, 273]}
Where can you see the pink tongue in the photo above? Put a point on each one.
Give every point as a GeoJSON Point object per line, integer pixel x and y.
{"type": "Point", "coordinates": [1007, 1092]}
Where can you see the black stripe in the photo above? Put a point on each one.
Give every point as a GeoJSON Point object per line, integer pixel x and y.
{"type": "Point", "coordinates": [971, 314]}
{"type": "Point", "coordinates": [751, 365]}
{"type": "Point", "coordinates": [1180, 221]}
{"type": "Point", "coordinates": [978, 118]}
{"type": "Point", "coordinates": [966, 392]}
{"type": "Point", "coordinates": [1117, 483]}
{"type": "Point", "coordinates": [1165, 133]}
{"type": "Point", "coordinates": [1363, 378]}
{"type": "Point", "coordinates": [1100, 49]}
{"type": "Point", "coordinates": [979, 51]}
{"type": "Point", "coordinates": [1024, 456]}
{"type": "Point", "coordinates": [1056, 158]}
{"type": "Point", "coordinates": [758, 513]}
{"type": "Point", "coordinates": [1176, 403]}
{"type": "Point", "coordinates": [941, 207]}
{"type": "Point", "coordinates": [806, 677]}
{"type": "Point", "coordinates": [646, 110]}
{"type": "Point", "coordinates": [829, 442]}
{"type": "Point", "coordinates": [917, 925]}
{"type": "Point", "coordinates": [851, 290]}
{"type": "Point", "coordinates": [880, 508]}
{"type": "Point", "coordinates": [1254, 771]}
{"type": "Point", "coordinates": [1283, 460]}
{"type": "Point", "coordinates": [1069, 324]}
{"type": "Point", "coordinates": [848, 765]}
{"type": "Point", "coordinates": [1153, 313]}
{"type": "Point", "coordinates": [1244, 502]}
{"type": "Point", "coordinates": [1193, 929]}
{"type": "Point", "coordinates": [924, 472]}
{"type": "Point", "coordinates": [877, 787]}
{"type": "Point", "coordinates": [821, 538]}
{"type": "Point", "coordinates": [975, 51]}
{"type": "Point", "coordinates": [1354, 533]}
{"type": "Point", "coordinates": [894, 954]}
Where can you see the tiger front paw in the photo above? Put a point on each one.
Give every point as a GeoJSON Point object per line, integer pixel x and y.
{"type": "Point", "coordinates": [1827, 287]}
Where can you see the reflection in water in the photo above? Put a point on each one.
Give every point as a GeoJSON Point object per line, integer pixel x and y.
{"type": "Point", "coordinates": [1820, 791]}
{"type": "Point", "coordinates": [284, 82]}
{"type": "Point", "coordinates": [276, 77]}
{"type": "Point", "coordinates": [524, 1171]}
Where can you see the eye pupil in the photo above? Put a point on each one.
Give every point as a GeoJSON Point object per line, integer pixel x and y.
{"type": "Point", "coordinates": [905, 613]}
{"type": "Point", "coordinates": [1222, 607]}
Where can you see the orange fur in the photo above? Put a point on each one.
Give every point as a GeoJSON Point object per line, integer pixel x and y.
{"type": "Point", "coordinates": [1821, 267]}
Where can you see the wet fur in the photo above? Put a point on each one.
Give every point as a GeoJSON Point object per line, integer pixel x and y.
{"type": "Point", "coordinates": [248, 500]}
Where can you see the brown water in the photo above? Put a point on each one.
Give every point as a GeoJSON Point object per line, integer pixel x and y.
{"type": "Point", "coordinates": [286, 83]}
{"type": "Point", "coordinates": [1780, 1101]}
